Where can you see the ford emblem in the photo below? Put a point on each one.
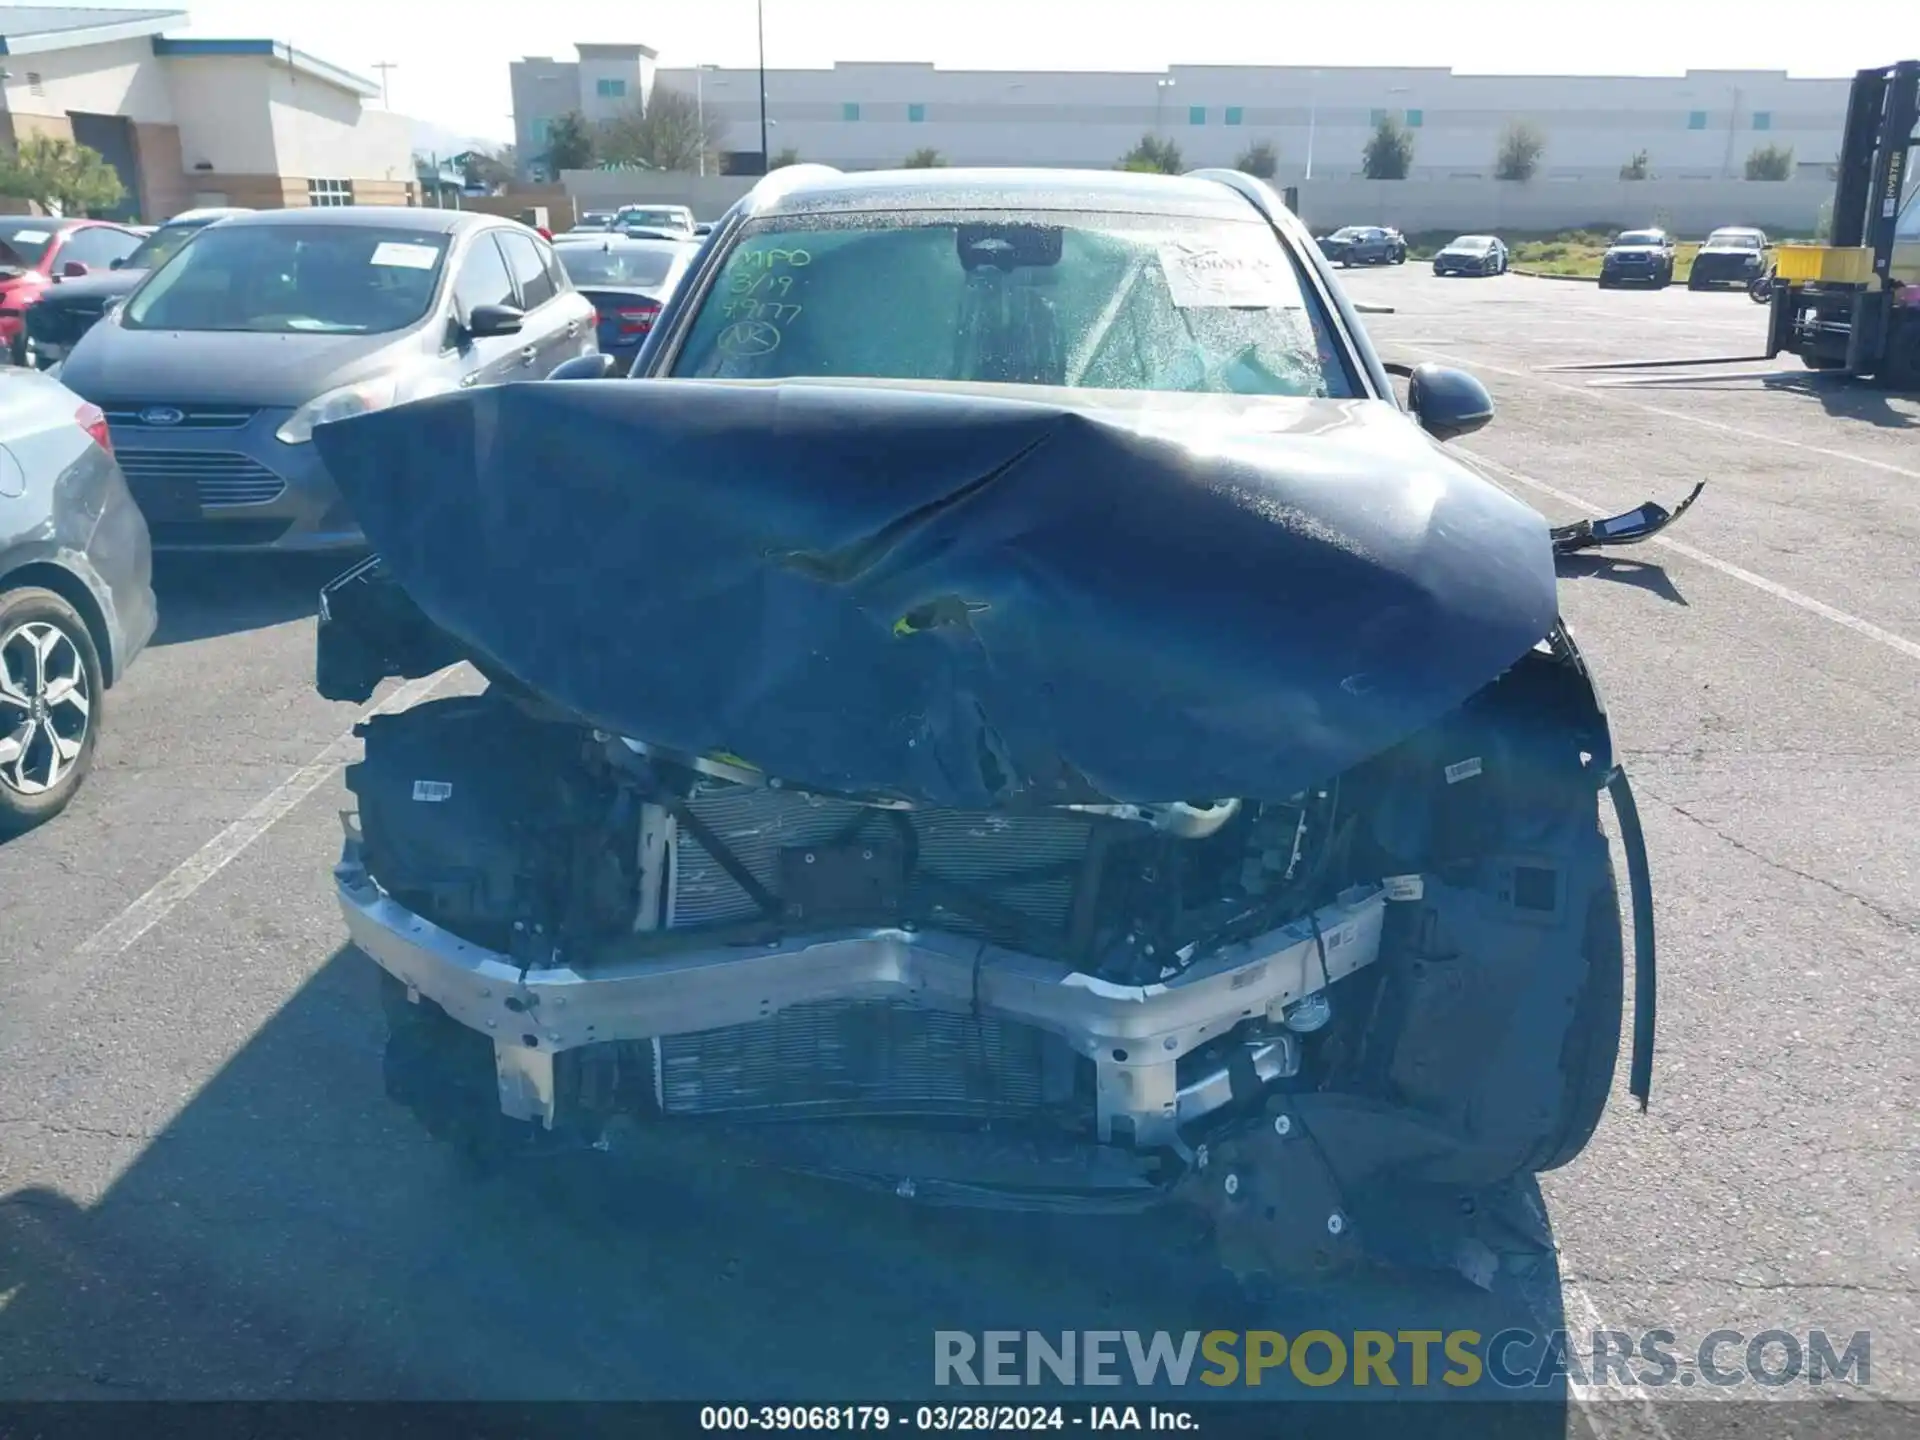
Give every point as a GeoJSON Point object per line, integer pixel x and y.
{"type": "Point", "coordinates": [161, 415]}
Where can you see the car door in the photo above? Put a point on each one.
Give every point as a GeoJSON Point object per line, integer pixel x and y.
{"type": "Point", "coordinates": [96, 247]}
{"type": "Point", "coordinates": [545, 337]}
{"type": "Point", "coordinates": [483, 279]}
{"type": "Point", "coordinates": [574, 314]}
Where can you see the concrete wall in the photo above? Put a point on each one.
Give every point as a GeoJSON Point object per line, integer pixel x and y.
{"type": "Point", "coordinates": [116, 79]}
{"type": "Point", "coordinates": [707, 197]}
{"type": "Point", "coordinates": [1699, 125]}
{"type": "Point", "coordinates": [1688, 208]}
{"type": "Point", "coordinates": [1691, 208]}
{"type": "Point", "coordinates": [543, 90]}
{"type": "Point", "coordinates": [222, 107]}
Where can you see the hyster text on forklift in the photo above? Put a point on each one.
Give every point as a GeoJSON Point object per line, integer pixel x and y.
{"type": "Point", "coordinates": [1854, 305]}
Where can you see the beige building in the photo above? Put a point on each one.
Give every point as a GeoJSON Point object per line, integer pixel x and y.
{"type": "Point", "coordinates": [189, 123]}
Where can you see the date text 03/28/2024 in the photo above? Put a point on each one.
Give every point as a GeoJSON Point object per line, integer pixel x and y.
{"type": "Point", "coordinates": [940, 1419]}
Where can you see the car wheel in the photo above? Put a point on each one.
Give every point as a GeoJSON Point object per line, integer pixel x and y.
{"type": "Point", "coordinates": [50, 686]}
{"type": "Point", "coordinates": [17, 348]}
{"type": "Point", "coordinates": [1902, 370]}
{"type": "Point", "coordinates": [1695, 283]}
{"type": "Point", "coordinates": [1605, 283]}
{"type": "Point", "coordinates": [1591, 1049]}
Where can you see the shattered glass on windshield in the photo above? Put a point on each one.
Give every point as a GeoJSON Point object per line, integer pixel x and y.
{"type": "Point", "coordinates": [1104, 302]}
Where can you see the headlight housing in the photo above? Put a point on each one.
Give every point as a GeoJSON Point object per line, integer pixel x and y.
{"type": "Point", "coordinates": [360, 398]}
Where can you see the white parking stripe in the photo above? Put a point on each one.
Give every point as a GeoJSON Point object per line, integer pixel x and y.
{"type": "Point", "coordinates": [1774, 588]}
{"type": "Point", "coordinates": [180, 883]}
{"type": "Point", "coordinates": [1700, 420]}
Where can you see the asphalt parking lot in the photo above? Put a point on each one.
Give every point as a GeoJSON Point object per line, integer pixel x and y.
{"type": "Point", "coordinates": [204, 1194]}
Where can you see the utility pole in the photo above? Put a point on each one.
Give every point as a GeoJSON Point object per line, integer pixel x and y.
{"type": "Point", "coordinates": [760, 19]}
{"type": "Point", "coordinates": [383, 67]}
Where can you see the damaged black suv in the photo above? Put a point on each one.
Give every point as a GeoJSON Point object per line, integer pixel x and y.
{"type": "Point", "coordinates": [1005, 705]}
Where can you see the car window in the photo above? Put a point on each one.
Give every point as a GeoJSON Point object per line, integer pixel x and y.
{"type": "Point", "coordinates": [98, 246]}
{"type": "Point", "coordinates": [528, 269]}
{"type": "Point", "coordinates": [27, 242]}
{"type": "Point", "coordinates": [1641, 237]}
{"type": "Point", "coordinates": [647, 265]}
{"type": "Point", "coordinates": [483, 278]}
{"type": "Point", "coordinates": [1124, 302]}
{"type": "Point", "coordinates": [161, 246]}
{"type": "Point", "coordinates": [556, 272]}
{"type": "Point", "coordinates": [274, 279]}
{"type": "Point", "coordinates": [1742, 239]}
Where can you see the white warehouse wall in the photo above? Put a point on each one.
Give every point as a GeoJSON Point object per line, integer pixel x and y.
{"type": "Point", "coordinates": [116, 79]}
{"type": "Point", "coordinates": [1700, 125]}
{"type": "Point", "coordinates": [323, 132]}
{"type": "Point", "coordinates": [220, 104]}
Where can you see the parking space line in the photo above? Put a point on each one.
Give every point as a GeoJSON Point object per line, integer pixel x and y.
{"type": "Point", "coordinates": [180, 883]}
{"type": "Point", "coordinates": [1866, 628]}
{"type": "Point", "coordinates": [1700, 420]}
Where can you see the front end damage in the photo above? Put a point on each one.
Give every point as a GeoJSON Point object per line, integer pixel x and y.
{"type": "Point", "coordinates": [1391, 992]}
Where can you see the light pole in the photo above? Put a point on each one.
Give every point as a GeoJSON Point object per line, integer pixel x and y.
{"type": "Point", "coordinates": [1160, 88]}
{"type": "Point", "coordinates": [1313, 116]}
{"type": "Point", "coordinates": [760, 21]}
{"type": "Point", "coordinates": [700, 106]}
{"type": "Point", "coordinates": [383, 67]}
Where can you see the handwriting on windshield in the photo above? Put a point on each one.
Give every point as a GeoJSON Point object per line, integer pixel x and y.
{"type": "Point", "coordinates": [768, 310]}
{"type": "Point", "coordinates": [747, 338]}
{"type": "Point", "coordinates": [764, 283]}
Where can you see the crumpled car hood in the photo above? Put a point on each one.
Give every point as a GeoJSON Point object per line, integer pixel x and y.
{"type": "Point", "coordinates": [965, 596]}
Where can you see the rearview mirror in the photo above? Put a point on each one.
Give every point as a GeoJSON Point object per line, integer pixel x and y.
{"type": "Point", "coordinates": [485, 321]}
{"type": "Point", "coordinates": [583, 367]}
{"type": "Point", "coordinates": [73, 270]}
{"type": "Point", "coordinates": [1448, 403]}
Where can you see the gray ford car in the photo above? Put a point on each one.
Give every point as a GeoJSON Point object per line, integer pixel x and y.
{"type": "Point", "coordinates": [215, 371]}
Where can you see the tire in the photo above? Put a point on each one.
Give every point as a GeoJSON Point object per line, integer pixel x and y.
{"type": "Point", "coordinates": [17, 347]}
{"type": "Point", "coordinates": [1605, 283]}
{"type": "Point", "coordinates": [1695, 284]}
{"type": "Point", "coordinates": [1591, 1050]}
{"type": "Point", "coordinates": [50, 704]}
{"type": "Point", "coordinates": [1902, 370]}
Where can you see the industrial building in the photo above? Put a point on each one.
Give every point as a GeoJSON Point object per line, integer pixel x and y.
{"type": "Point", "coordinates": [189, 123]}
{"type": "Point", "coordinates": [1697, 126]}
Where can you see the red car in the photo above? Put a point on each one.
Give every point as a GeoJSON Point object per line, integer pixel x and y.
{"type": "Point", "coordinates": [36, 252]}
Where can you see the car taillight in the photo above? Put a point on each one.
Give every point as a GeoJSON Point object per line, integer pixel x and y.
{"type": "Point", "coordinates": [95, 424]}
{"type": "Point", "coordinates": [637, 319]}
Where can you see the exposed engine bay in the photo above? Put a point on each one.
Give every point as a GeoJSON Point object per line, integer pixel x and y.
{"type": "Point", "coordinates": [1058, 876]}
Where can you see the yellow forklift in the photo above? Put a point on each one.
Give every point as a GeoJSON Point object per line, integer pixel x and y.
{"type": "Point", "coordinates": [1853, 305]}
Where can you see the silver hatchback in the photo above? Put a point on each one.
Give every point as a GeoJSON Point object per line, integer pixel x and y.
{"type": "Point", "coordinates": [214, 372]}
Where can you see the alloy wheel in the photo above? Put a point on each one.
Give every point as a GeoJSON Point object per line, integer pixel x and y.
{"type": "Point", "coordinates": [45, 707]}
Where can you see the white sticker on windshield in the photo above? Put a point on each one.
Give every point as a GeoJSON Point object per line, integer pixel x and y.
{"type": "Point", "coordinates": [33, 237]}
{"type": "Point", "coordinates": [409, 257]}
{"type": "Point", "coordinates": [1206, 276]}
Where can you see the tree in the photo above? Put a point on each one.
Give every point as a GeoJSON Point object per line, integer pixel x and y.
{"type": "Point", "coordinates": [668, 133]}
{"type": "Point", "coordinates": [1259, 160]}
{"type": "Point", "coordinates": [1637, 168]}
{"type": "Point", "coordinates": [1770, 162]}
{"type": "Point", "coordinates": [1389, 154]}
{"type": "Point", "coordinates": [1154, 156]}
{"type": "Point", "coordinates": [786, 157]}
{"type": "Point", "coordinates": [488, 169]}
{"type": "Point", "coordinates": [1521, 146]}
{"type": "Point", "coordinates": [59, 175]}
{"type": "Point", "coordinates": [569, 144]}
{"type": "Point", "coordinates": [925, 158]}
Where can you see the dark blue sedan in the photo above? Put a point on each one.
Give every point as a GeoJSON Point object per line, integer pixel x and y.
{"type": "Point", "coordinates": [628, 279]}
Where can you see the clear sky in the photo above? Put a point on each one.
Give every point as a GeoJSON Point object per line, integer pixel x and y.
{"type": "Point", "coordinates": [450, 56]}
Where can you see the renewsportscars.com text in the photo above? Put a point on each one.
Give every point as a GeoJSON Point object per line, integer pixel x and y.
{"type": "Point", "coordinates": [1511, 1359]}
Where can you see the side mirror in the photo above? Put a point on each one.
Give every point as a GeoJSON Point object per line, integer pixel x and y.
{"type": "Point", "coordinates": [73, 270]}
{"type": "Point", "coordinates": [485, 321]}
{"type": "Point", "coordinates": [115, 264]}
{"type": "Point", "coordinates": [1448, 403]}
{"type": "Point", "coordinates": [583, 367]}
{"type": "Point", "coordinates": [703, 228]}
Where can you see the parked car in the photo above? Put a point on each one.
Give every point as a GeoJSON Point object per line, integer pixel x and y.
{"type": "Point", "coordinates": [33, 250]}
{"type": "Point", "coordinates": [1733, 255]}
{"type": "Point", "coordinates": [216, 370]}
{"type": "Point", "coordinates": [627, 281]}
{"type": "Point", "coordinates": [594, 220]}
{"type": "Point", "coordinates": [1224, 832]}
{"type": "Point", "coordinates": [655, 217]}
{"type": "Point", "coordinates": [76, 592]}
{"type": "Point", "coordinates": [1365, 245]}
{"type": "Point", "coordinates": [1472, 255]}
{"type": "Point", "coordinates": [67, 309]}
{"type": "Point", "coordinates": [1638, 257]}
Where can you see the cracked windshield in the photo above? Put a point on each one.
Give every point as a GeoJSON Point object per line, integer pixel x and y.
{"type": "Point", "coordinates": [816, 716]}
